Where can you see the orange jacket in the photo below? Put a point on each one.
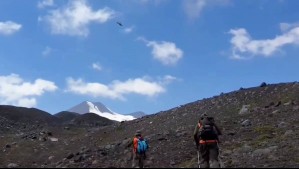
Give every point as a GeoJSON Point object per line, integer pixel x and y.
{"type": "Point", "coordinates": [135, 144]}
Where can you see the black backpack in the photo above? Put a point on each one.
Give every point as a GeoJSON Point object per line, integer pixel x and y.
{"type": "Point", "coordinates": [207, 131]}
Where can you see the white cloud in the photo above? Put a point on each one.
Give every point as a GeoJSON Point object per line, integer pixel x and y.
{"type": "Point", "coordinates": [9, 27]}
{"type": "Point", "coordinates": [75, 18]}
{"type": "Point", "coordinates": [96, 66]}
{"type": "Point", "coordinates": [26, 102]}
{"type": "Point", "coordinates": [128, 29]}
{"type": "Point", "coordinates": [244, 47]}
{"type": "Point", "coordinates": [156, 2]}
{"type": "Point", "coordinates": [168, 79]}
{"type": "Point", "coordinates": [138, 86]}
{"type": "Point", "coordinates": [284, 27]}
{"type": "Point", "coordinates": [194, 8]}
{"type": "Point", "coordinates": [45, 3]}
{"type": "Point", "coordinates": [118, 89]}
{"type": "Point", "coordinates": [15, 91]}
{"type": "Point", "coordinates": [165, 52]}
{"type": "Point", "coordinates": [47, 51]}
{"type": "Point", "coordinates": [92, 89]}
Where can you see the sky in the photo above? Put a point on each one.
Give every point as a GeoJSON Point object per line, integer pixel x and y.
{"type": "Point", "coordinates": [142, 55]}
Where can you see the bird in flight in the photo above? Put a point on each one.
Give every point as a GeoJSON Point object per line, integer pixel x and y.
{"type": "Point", "coordinates": [120, 24]}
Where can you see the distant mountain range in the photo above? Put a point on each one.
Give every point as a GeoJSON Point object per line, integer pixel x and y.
{"type": "Point", "coordinates": [138, 114]}
{"type": "Point", "coordinates": [84, 114]}
{"type": "Point", "coordinates": [101, 110]}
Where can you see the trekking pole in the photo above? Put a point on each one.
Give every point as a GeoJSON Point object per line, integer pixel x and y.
{"type": "Point", "coordinates": [198, 159]}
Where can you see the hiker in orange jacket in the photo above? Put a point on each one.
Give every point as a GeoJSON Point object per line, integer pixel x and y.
{"type": "Point", "coordinates": [206, 134]}
{"type": "Point", "coordinates": [138, 157]}
{"type": "Point", "coordinates": [135, 141]}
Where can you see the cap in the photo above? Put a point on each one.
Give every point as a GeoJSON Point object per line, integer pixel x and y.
{"type": "Point", "coordinates": [138, 133]}
{"type": "Point", "coordinates": [203, 115]}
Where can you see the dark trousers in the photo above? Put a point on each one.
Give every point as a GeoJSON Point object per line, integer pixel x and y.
{"type": "Point", "coordinates": [138, 160]}
{"type": "Point", "coordinates": [209, 155]}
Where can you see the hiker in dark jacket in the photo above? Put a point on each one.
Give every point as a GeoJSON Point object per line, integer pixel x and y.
{"type": "Point", "coordinates": [206, 134]}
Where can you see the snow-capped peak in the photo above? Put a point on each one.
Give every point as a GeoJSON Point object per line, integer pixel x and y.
{"type": "Point", "coordinates": [101, 110]}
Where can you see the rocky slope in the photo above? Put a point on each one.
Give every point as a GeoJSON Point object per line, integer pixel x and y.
{"type": "Point", "coordinates": [259, 125]}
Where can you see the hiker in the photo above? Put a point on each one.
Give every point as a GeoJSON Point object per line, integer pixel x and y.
{"type": "Point", "coordinates": [140, 146]}
{"type": "Point", "coordinates": [206, 138]}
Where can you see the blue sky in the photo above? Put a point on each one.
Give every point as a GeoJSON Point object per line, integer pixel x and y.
{"type": "Point", "coordinates": [55, 54]}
